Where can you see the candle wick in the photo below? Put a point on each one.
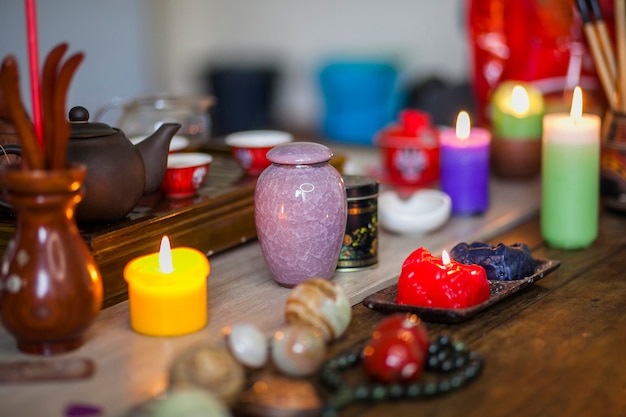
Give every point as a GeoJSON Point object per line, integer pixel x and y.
{"type": "Point", "coordinates": [445, 257]}
{"type": "Point", "coordinates": [165, 256]}
{"type": "Point", "coordinates": [167, 269]}
{"type": "Point", "coordinates": [576, 112]}
{"type": "Point", "coordinates": [463, 125]}
{"type": "Point", "coordinates": [520, 101]}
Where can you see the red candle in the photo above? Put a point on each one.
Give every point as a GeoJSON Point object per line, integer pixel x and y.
{"type": "Point", "coordinates": [428, 281]}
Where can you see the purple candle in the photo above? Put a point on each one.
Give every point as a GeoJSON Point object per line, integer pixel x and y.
{"type": "Point", "coordinates": [465, 166]}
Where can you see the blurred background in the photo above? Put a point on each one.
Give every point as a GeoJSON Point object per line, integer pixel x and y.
{"type": "Point", "coordinates": [138, 48]}
{"type": "Point", "coordinates": [338, 68]}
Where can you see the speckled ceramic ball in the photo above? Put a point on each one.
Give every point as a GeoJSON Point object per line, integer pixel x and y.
{"type": "Point", "coordinates": [189, 402]}
{"type": "Point", "coordinates": [298, 350]}
{"type": "Point", "coordinates": [247, 344]}
{"type": "Point", "coordinates": [209, 367]}
{"type": "Point", "coordinates": [319, 303]}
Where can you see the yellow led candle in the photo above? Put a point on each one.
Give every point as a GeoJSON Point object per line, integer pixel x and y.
{"type": "Point", "coordinates": [167, 291]}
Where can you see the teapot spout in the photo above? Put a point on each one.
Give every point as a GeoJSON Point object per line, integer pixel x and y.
{"type": "Point", "coordinates": [154, 150]}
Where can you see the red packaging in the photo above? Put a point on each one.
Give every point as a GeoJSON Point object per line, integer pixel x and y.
{"type": "Point", "coordinates": [410, 150]}
{"type": "Point", "coordinates": [541, 42]}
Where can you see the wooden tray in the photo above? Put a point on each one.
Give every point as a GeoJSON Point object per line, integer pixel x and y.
{"type": "Point", "coordinates": [219, 217]}
{"type": "Point", "coordinates": [385, 300]}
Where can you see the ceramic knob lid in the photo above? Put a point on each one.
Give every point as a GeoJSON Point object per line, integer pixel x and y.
{"type": "Point", "coordinates": [300, 153]}
{"type": "Point", "coordinates": [82, 128]}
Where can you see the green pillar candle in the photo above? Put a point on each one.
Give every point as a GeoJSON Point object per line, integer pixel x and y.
{"type": "Point", "coordinates": [570, 177]}
{"type": "Point", "coordinates": [517, 111]}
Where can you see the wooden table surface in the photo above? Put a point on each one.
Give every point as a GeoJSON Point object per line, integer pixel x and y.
{"type": "Point", "coordinates": [557, 348]}
{"type": "Point", "coordinates": [554, 349]}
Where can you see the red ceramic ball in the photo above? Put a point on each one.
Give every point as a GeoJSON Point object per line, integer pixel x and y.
{"type": "Point", "coordinates": [391, 359]}
{"type": "Point", "coordinates": [407, 326]}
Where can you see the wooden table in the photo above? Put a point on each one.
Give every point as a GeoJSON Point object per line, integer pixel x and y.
{"type": "Point", "coordinates": [554, 349]}
{"type": "Point", "coordinates": [558, 348]}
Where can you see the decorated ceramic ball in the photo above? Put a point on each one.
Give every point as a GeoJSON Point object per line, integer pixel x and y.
{"type": "Point", "coordinates": [319, 303]}
{"type": "Point", "coordinates": [298, 350]}
{"type": "Point", "coordinates": [212, 368]}
{"type": "Point", "coordinates": [247, 344]}
{"type": "Point", "coordinates": [189, 402]}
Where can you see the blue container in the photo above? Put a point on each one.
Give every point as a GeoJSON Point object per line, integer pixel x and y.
{"type": "Point", "coordinates": [361, 97]}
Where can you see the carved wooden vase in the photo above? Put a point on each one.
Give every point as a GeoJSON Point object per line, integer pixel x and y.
{"type": "Point", "coordinates": [50, 285]}
{"type": "Point", "coordinates": [613, 162]}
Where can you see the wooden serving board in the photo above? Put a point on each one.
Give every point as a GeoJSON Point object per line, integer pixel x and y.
{"type": "Point", "coordinates": [219, 217]}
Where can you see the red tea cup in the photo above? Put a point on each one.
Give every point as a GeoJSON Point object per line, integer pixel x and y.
{"type": "Point", "coordinates": [185, 174]}
{"type": "Point", "coordinates": [249, 147]}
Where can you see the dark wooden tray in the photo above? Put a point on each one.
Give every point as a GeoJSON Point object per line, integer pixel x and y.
{"type": "Point", "coordinates": [385, 300]}
{"type": "Point", "coordinates": [219, 217]}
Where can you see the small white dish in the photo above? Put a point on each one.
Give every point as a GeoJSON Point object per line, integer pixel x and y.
{"type": "Point", "coordinates": [423, 212]}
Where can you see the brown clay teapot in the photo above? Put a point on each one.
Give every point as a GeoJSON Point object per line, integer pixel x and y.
{"type": "Point", "coordinates": [118, 172]}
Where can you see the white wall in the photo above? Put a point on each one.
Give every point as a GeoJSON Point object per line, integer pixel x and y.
{"type": "Point", "coordinates": [140, 47]}
{"type": "Point", "coordinates": [426, 36]}
{"type": "Point", "coordinates": [111, 33]}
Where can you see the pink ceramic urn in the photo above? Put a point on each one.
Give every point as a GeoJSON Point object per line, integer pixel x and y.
{"type": "Point", "coordinates": [300, 211]}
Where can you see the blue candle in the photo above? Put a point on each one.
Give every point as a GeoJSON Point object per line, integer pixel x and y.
{"type": "Point", "coordinates": [465, 166]}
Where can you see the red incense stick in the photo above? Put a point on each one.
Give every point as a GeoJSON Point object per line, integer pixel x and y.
{"type": "Point", "coordinates": [33, 60]}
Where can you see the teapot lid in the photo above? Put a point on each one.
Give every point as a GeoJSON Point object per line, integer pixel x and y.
{"type": "Point", "coordinates": [82, 128]}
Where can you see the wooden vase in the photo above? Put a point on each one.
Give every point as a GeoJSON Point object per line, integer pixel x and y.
{"type": "Point", "coordinates": [50, 286]}
{"type": "Point", "coordinates": [613, 162]}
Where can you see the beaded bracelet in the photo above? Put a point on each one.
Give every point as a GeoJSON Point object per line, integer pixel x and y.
{"type": "Point", "coordinates": [445, 356]}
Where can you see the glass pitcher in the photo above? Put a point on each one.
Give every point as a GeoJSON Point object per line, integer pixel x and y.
{"type": "Point", "coordinates": [141, 116]}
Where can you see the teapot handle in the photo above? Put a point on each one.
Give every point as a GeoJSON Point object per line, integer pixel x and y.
{"type": "Point", "coordinates": [5, 151]}
{"type": "Point", "coordinates": [10, 149]}
{"type": "Point", "coordinates": [115, 103]}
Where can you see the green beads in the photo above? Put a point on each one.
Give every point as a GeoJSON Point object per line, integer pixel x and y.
{"type": "Point", "coordinates": [451, 359]}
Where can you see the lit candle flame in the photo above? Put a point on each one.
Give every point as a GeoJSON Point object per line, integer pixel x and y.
{"type": "Point", "coordinates": [463, 125]}
{"type": "Point", "coordinates": [520, 102]}
{"type": "Point", "coordinates": [576, 113]}
{"type": "Point", "coordinates": [445, 257]}
{"type": "Point", "coordinates": [165, 256]}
